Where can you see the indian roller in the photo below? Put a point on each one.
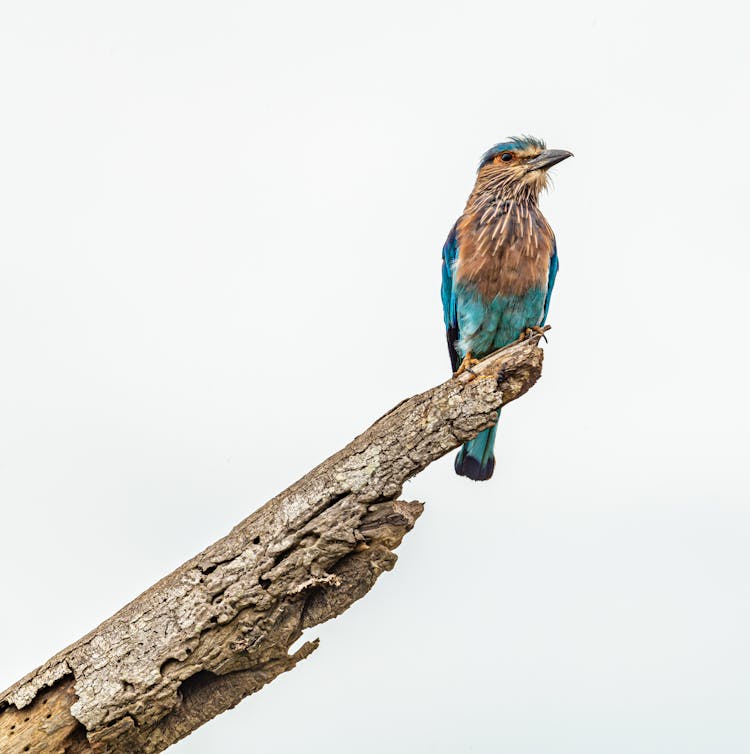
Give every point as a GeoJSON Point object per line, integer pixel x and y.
{"type": "Point", "coordinates": [499, 267]}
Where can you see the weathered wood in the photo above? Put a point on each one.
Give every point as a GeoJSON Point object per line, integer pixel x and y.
{"type": "Point", "coordinates": [220, 626]}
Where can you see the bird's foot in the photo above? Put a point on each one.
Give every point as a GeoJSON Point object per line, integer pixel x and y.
{"type": "Point", "coordinates": [531, 331]}
{"type": "Point", "coordinates": [466, 365]}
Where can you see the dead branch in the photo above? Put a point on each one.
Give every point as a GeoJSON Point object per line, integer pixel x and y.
{"type": "Point", "coordinates": [219, 627]}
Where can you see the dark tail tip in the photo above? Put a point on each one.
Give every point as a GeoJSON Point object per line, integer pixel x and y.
{"type": "Point", "coordinates": [468, 466]}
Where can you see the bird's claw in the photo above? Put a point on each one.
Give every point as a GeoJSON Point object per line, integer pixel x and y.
{"type": "Point", "coordinates": [466, 365]}
{"type": "Point", "coordinates": [529, 332]}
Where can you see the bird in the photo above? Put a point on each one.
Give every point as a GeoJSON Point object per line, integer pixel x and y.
{"type": "Point", "coordinates": [499, 266]}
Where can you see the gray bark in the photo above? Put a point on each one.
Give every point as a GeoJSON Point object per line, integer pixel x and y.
{"type": "Point", "coordinates": [219, 627]}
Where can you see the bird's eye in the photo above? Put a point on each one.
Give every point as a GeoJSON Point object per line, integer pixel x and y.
{"type": "Point", "coordinates": [506, 156]}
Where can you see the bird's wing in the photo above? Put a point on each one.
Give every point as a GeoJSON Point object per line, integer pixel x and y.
{"type": "Point", "coordinates": [448, 294]}
{"type": "Point", "coordinates": [553, 267]}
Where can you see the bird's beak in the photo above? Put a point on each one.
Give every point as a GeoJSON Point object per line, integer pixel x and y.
{"type": "Point", "coordinates": [547, 159]}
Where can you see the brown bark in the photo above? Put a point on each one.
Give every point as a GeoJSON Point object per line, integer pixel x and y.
{"type": "Point", "coordinates": [220, 626]}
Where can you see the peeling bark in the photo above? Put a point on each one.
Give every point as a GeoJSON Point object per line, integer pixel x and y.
{"type": "Point", "coordinates": [219, 627]}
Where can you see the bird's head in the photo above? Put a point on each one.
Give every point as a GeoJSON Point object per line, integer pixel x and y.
{"type": "Point", "coordinates": [517, 168]}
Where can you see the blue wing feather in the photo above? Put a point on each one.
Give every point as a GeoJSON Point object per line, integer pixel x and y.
{"type": "Point", "coordinates": [554, 265]}
{"type": "Point", "coordinates": [448, 295]}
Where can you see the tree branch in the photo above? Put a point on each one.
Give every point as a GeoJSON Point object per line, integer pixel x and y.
{"type": "Point", "coordinates": [219, 627]}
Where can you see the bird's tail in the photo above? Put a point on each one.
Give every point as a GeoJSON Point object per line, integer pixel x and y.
{"type": "Point", "coordinates": [476, 459]}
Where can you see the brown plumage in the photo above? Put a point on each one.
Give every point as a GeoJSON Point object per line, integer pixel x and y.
{"type": "Point", "coordinates": [506, 254]}
{"type": "Point", "coordinates": [505, 241]}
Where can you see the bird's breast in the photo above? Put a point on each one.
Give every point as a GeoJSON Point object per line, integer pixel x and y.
{"type": "Point", "coordinates": [504, 249]}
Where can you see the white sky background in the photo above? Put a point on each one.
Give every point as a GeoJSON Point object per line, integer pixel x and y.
{"type": "Point", "coordinates": [220, 260]}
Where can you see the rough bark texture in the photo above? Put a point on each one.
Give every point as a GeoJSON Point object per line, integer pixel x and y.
{"type": "Point", "coordinates": [220, 627]}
